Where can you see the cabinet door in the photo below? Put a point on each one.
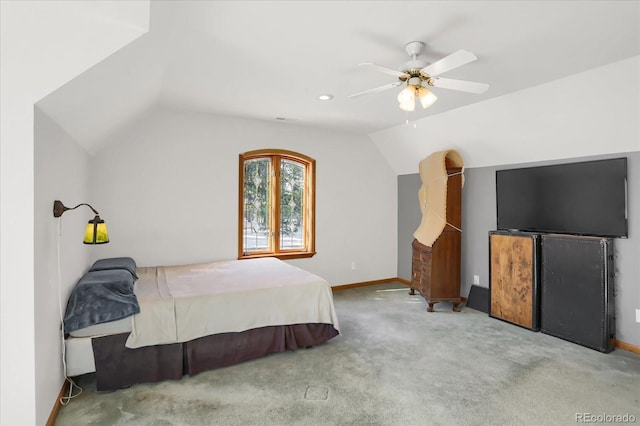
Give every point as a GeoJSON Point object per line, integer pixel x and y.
{"type": "Point", "coordinates": [577, 302]}
{"type": "Point", "coordinates": [445, 275]}
{"type": "Point", "coordinates": [513, 279]}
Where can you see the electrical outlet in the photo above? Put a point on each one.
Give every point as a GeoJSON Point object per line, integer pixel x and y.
{"type": "Point", "coordinates": [476, 279]}
{"type": "Point", "coordinates": [637, 315]}
{"type": "Point", "coordinates": [353, 266]}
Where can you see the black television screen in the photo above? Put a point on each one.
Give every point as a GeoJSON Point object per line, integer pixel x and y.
{"type": "Point", "coordinates": [586, 198]}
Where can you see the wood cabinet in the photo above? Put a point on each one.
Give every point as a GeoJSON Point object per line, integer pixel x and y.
{"type": "Point", "coordinates": [562, 285]}
{"type": "Point", "coordinates": [513, 270]}
{"type": "Point", "coordinates": [436, 270]}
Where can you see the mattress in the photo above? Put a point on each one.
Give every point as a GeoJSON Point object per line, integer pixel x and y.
{"type": "Point", "coordinates": [113, 327]}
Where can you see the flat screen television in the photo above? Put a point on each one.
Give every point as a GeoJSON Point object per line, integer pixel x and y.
{"type": "Point", "coordinates": [585, 198]}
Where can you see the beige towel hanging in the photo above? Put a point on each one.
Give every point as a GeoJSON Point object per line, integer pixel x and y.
{"type": "Point", "coordinates": [433, 194]}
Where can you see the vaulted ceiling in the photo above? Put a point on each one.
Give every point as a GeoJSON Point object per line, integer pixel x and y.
{"type": "Point", "coordinates": [270, 60]}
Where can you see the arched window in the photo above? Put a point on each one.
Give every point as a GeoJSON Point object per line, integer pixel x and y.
{"type": "Point", "coordinates": [276, 204]}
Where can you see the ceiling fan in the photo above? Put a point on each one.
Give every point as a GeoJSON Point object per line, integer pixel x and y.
{"type": "Point", "coordinates": [418, 75]}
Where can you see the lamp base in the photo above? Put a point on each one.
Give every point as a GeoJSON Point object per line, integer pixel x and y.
{"type": "Point", "coordinates": [58, 208]}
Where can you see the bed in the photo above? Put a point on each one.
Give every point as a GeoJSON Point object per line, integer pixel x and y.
{"type": "Point", "coordinates": [192, 318]}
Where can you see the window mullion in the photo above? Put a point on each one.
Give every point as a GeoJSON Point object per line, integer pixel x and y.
{"type": "Point", "coordinates": [275, 191]}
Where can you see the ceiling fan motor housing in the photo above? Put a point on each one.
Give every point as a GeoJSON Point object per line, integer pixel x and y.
{"type": "Point", "coordinates": [413, 67]}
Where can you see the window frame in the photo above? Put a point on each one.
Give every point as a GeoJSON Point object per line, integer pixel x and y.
{"type": "Point", "coordinates": [275, 155]}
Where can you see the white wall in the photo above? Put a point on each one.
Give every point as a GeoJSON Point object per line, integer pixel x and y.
{"type": "Point", "coordinates": [591, 113]}
{"type": "Point", "coordinates": [62, 174]}
{"type": "Point", "coordinates": [169, 190]}
{"type": "Point", "coordinates": [44, 45]}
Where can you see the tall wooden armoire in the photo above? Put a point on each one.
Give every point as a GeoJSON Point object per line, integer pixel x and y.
{"type": "Point", "coordinates": [436, 270]}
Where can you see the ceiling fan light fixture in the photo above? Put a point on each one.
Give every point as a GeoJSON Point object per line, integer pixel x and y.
{"type": "Point", "coordinates": [407, 106]}
{"type": "Point", "coordinates": [407, 95]}
{"type": "Point", "coordinates": [427, 98]}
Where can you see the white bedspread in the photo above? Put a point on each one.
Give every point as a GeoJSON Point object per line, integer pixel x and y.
{"type": "Point", "coordinates": [182, 303]}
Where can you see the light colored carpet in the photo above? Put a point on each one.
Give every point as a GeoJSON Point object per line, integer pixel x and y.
{"type": "Point", "coordinates": [394, 364]}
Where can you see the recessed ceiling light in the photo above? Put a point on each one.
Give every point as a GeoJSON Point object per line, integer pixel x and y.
{"type": "Point", "coordinates": [325, 97]}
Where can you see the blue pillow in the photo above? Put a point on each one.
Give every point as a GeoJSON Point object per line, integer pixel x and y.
{"type": "Point", "coordinates": [125, 263]}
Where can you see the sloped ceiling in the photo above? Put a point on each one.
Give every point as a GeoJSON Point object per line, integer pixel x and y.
{"type": "Point", "coordinates": [269, 60]}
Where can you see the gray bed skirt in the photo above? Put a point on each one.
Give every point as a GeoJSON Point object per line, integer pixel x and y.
{"type": "Point", "coordinates": [119, 367]}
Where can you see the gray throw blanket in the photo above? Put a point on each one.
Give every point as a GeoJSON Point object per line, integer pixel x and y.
{"type": "Point", "coordinates": [100, 296]}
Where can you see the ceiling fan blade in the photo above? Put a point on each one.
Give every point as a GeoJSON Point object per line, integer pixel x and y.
{"type": "Point", "coordinates": [450, 62]}
{"type": "Point", "coordinates": [377, 89]}
{"type": "Point", "coordinates": [385, 70]}
{"type": "Point", "coordinates": [462, 85]}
